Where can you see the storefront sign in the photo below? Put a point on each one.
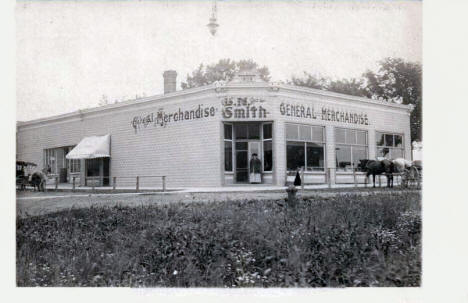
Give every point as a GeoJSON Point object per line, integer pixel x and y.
{"type": "Point", "coordinates": [243, 108]}
{"type": "Point", "coordinates": [344, 116]}
{"type": "Point", "coordinates": [162, 118]}
{"type": "Point", "coordinates": [297, 110]}
{"type": "Point", "coordinates": [301, 111]}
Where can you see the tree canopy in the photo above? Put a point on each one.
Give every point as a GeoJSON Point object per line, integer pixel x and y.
{"type": "Point", "coordinates": [394, 79]}
{"type": "Point", "coordinates": [224, 69]}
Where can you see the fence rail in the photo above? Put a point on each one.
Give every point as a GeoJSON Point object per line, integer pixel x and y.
{"type": "Point", "coordinates": [353, 176]}
{"type": "Point", "coordinates": [113, 182]}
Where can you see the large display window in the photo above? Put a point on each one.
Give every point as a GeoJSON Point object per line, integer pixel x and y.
{"type": "Point", "coordinates": [351, 146]}
{"type": "Point", "coordinates": [389, 145]}
{"type": "Point", "coordinates": [305, 147]}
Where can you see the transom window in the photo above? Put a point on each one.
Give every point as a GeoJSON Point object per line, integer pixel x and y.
{"type": "Point", "coordinates": [305, 147]}
{"type": "Point", "coordinates": [351, 147]}
{"type": "Point", "coordinates": [389, 145]}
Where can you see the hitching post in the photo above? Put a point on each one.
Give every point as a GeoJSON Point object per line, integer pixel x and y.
{"type": "Point", "coordinates": [291, 190]}
{"type": "Point", "coordinates": [56, 183]}
{"type": "Point", "coordinates": [302, 181]}
{"type": "Point", "coordinates": [164, 183]}
{"type": "Point", "coordinates": [137, 183]}
{"type": "Point", "coordinates": [74, 183]}
{"type": "Point", "coordinates": [329, 177]}
{"type": "Point", "coordinates": [114, 182]}
{"type": "Point", "coordinates": [380, 180]}
{"type": "Point", "coordinates": [94, 184]}
{"type": "Point", "coordinates": [354, 176]}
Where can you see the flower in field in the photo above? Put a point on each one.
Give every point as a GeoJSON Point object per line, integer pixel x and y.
{"type": "Point", "coordinates": [175, 272]}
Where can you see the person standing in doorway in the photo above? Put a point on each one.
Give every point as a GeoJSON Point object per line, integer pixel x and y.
{"type": "Point", "coordinates": [255, 169]}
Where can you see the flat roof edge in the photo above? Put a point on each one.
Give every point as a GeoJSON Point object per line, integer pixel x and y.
{"type": "Point", "coordinates": [224, 88]}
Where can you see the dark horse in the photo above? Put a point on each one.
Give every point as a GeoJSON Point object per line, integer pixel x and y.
{"type": "Point", "coordinates": [38, 180]}
{"type": "Point", "coordinates": [376, 167]}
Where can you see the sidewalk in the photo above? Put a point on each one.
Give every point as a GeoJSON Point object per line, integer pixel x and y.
{"type": "Point", "coordinates": [64, 187]}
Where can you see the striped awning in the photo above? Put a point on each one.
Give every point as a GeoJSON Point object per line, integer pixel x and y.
{"type": "Point", "coordinates": [91, 148]}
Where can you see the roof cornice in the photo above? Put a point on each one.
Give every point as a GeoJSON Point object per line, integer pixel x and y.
{"type": "Point", "coordinates": [312, 91]}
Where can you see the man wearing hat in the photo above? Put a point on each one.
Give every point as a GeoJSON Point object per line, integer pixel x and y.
{"type": "Point", "coordinates": [255, 169]}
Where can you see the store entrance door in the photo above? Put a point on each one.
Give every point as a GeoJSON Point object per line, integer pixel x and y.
{"type": "Point", "coordinates": [244, 151]}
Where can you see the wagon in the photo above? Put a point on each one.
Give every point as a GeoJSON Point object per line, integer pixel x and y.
{"type": "Point", "coordinates": [22, 179]}
{"type": "Point", "coordinates": [412, 177]}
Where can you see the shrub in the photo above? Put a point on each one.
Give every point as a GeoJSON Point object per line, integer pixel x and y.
{"type": "Point", "coordinates": [342, 241]}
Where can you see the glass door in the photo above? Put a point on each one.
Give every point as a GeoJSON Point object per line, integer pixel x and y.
{"type": "Point", "coordinates": [242, 162]}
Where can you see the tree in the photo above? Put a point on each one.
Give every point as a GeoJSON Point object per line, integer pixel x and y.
{"type": "Point", "coordinates": [225, 70]}
{"type": "Point", "coordinates": [395, 79]}
{"type": "Point", "coordinates": [355, 87]}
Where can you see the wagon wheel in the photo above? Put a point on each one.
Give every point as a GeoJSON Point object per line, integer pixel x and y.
{"type": "Point", "coordinates": [415, 176]}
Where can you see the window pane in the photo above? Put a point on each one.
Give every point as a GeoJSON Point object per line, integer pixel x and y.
{"type": "Point", "coordinates": [267, 131]}
{"type": "Point", "coordinates": [241, 131]}
{"type": "Point", "coordinates": [340, 136]}
{"type": "Point", "coordinates": [227, 155]}
{"type": "Point", "coordinates": [397, 153]}
{"type": "Point", "coordinates": [361, 137]}
{"type": "Point", "coordinates": [388, 140]}
{"type": "Point", "coordinates": [314, 156]}
{"type": "Point", "coordinates": [383, 152]}
{"type": "Point", "coordinates": [317, 133]}
{"type": "Point", "coordinates": [359, 153]}
{"type": "Point", "coordinates": [292, 132]}
{"type": "Point", "coordinates": [295, 154]}
{"type": "Point", "coordinates": [267, 156]}
{"type": "Point", "coordinates": [93, 167]}
{"type": "Point", "coordinates": [228, 131]}
{"type": "Point", "coordinates": [398, 141]}
{"type": "Point", "coordinates": [350, 136]}
{"type": "Point", "coordinates": [254, 131]}
{"type": "Point", "coordinates": [379, 139]}
{"type": "Point", "coordinates": [241, 159]}
{"type": "Point", "coordinates": [242, 145]}
{"type": "Point", "coordinates": [305, 133]}
{"type": "Point", "coordinates": [343, 157]}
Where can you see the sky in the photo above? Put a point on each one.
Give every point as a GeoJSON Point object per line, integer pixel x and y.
{"type": "Point", "coordinates": [69, 54]}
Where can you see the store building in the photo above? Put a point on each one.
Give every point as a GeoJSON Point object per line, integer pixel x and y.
{"type": "Point", "coordinates": [205, 136]}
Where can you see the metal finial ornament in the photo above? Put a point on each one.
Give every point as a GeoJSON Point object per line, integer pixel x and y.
{"type": "Point", "coordinates": [213, 25]}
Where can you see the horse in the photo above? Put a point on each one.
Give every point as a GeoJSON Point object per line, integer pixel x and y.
{"type": "Point", "coordinates": [401, 165]}
{"type": "Point", "coordinates": [376, 167]}
{"type": "Point", "coordinates": [38, 179]}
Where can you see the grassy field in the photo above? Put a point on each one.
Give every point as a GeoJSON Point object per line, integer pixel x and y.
{"type": "Point", "coordinates": [335, 242]}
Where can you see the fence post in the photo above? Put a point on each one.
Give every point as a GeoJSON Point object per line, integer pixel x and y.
{"type": "Point", "coordinates": [354, 176]}
{"type": "Point", "coordinates": [74, 183]}
{"type": "Point", "coordinates": [163, 183]}
{"type": "Point", "coordinates": [94, 185]}
{"type": "Point", "coordinates": [56, 183]}
{"type": "Point", "coordinates": [114, 182]}
{"type": "Point", "coordinates": [303, 181]}
{"type": "Point", "coordinates": [380, 181]}
{"type": "Point", "coordinates": [137, 183]}
{"type": "Point", "coordinates": [329, 177]}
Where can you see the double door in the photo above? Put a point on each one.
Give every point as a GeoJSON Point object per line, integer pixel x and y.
{"type": "Point", "coordinates": [244, 151]}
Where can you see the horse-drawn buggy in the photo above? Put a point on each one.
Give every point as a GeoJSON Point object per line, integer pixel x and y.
{"type": "Point", "coordinates": [412, 175]}
{"type": "Point", "coordinates": [409, 171]}
{"type": "Point", "coordinates": [25, 177]}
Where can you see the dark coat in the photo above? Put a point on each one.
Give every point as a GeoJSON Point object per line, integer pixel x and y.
{"type": "Point", "coordinates": [255, 166]}
{"type": "Point", "coordinates": [297, 180]}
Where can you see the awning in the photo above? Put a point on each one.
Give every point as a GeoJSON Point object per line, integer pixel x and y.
{"type": "Point", "coordinates": [91, 147]}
